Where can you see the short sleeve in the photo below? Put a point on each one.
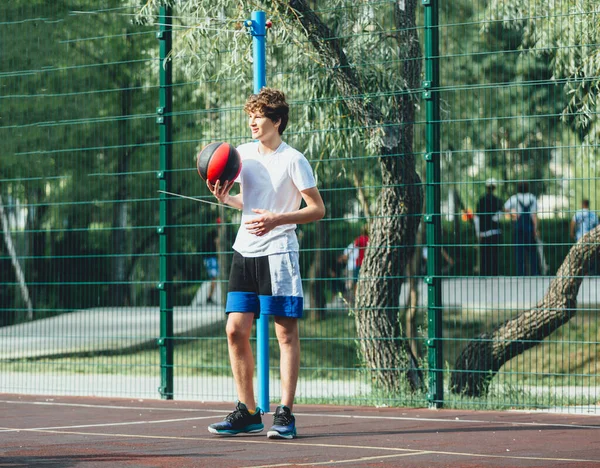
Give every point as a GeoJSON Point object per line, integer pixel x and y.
{"type": "Point", "coordinates": [302, 174]}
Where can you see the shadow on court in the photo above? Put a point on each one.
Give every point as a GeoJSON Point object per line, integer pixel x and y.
{"type": "Point", "coordinates": [86, 432]}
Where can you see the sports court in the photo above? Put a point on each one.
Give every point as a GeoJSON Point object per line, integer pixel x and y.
{"type": "Point", "coordinates": [93, 432]}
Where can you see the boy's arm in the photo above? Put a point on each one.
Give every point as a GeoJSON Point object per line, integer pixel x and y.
{"type": "Point", "coordinates": [221, 193]}
{"type": "Point", "coordinates": [313, 211]}
{"type": "Point", "coordinates": [235, 200]}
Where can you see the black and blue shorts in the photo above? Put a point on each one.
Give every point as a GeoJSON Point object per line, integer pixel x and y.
{"type": "Point", "coordinates": [269, 285]}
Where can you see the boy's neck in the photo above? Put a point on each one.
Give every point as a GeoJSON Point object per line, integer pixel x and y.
{"type": "Point", "coordinates": [270, 146]}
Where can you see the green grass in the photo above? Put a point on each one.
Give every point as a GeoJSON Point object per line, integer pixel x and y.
{"type": "Point", "coordinates": [570, 357]}
{"type": "Point", "coordinates": [328, 352]}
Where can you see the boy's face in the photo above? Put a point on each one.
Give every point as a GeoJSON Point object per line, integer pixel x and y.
{"type": "Point", "coordinates": [263, 128]}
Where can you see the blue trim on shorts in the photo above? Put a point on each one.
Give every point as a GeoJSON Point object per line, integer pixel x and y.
{"type": "Point", "coordinates": [239, 301]}
{"type": "Point", "coordinates": [283, 306]}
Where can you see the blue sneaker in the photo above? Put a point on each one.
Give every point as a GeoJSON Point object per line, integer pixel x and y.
{"type": "Point", "coordinates": [239, 421]}
{"type": "Point", "coordinates": [284, 424]}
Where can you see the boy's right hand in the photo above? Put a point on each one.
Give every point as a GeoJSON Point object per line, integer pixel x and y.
{"type": "Point", "coordinates": [220, 191]}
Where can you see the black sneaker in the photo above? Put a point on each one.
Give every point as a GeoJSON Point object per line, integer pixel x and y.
{"type": "Point", "coordinates": [284, 424]}
{"type": "Point", "coordinates": [240, 421]}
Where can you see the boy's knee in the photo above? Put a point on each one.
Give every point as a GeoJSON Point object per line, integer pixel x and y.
{"type": "Point", "coordinates": [235, 332]}
{"type": "Point", "coordinates": [288, 337]}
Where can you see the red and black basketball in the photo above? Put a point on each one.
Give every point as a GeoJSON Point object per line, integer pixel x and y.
{"type": "Point", "coordinates": [219, 161]}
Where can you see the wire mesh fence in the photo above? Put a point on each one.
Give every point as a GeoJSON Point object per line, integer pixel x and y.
{"type": "Point", "coordinates": [476, 253]}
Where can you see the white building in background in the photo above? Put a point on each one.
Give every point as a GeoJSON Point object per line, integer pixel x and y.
{"type": "Point", "coordinates": [553, 206]}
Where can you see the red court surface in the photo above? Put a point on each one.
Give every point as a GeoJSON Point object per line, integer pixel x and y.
{"type": "Point", "coordinates": [41, 431]}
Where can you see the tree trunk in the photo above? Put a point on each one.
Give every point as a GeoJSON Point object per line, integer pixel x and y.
{"type": "Point", "coordinates": [362, 198]}
{"type": "Point", "coordinates": [318, 274]}
{"type": "Point", "coordinates": [15, 260]}
{"type": "Point", "coordinates": [119, 239]}
{"type": "Point", "coordinates": [392, 232]}
{"type": "Point", "coordinates": [377, 304]}
{"type": "Point", "coordinates": [413, 273]}
{"type": "Point", "coordinates": [37, 272]}
{"type": "Point", "coordinates": [481, 359]}
{"type": "Point", "coordinates": [121, 290]}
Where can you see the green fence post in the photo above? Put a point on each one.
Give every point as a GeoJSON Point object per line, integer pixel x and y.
{"type": "Point", "coordinates": [165, 286]}
{"type": "Point", "coordinates": [432, 220]}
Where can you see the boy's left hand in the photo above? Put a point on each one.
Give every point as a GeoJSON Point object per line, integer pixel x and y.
{"type": "Point", "coordinates": [262, 224]}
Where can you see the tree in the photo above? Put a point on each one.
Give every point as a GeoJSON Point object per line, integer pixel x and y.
{"type": "Point", "coordinates": [568, 34]}
{"type": "Point", "coordinates": [501, 109]}
{"type": "Point", "coordinates": [364, 81]}
{"type": "Point", "coordinates": [483, 356]}
{"type": "Point", "coordinates": [14, 259]}
{"type": "Point", "coordinates": [79, 112]}
{"type": "Point", "coordinates": [27, 171]}
{"type": "Point", "coordinates": [563, 34]}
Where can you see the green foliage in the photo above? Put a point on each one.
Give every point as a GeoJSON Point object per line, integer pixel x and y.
{"type": "Point", "coordinates": [82, 123]}
{"type": "Point", "coordinates": [565, 36]}
{"type": "Point", "coordinates": [568, 34]}
{"type": "Point", "coordinates": [501, 106]}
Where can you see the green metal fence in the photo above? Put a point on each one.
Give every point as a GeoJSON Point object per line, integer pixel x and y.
{"type": "Point", "coordinates": [404, 109]}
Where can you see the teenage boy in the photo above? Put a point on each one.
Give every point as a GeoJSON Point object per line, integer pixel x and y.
{"type": "Point", "coordinates": [265, 275]}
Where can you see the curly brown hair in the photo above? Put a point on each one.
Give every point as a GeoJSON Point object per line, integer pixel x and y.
{"type": "Point", "coordinates": [271, 103]}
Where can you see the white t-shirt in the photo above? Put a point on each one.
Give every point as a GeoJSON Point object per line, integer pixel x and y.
{"type": "Point", "coordinates": [271, 182]}
{"type": "Point", "coordinates": [351, 253]}
{"type": "Point", "coordinates": [517, 203]}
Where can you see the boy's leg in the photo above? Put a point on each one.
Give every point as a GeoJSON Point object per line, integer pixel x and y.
{"type": "Point", "coordinates": [284, 422]}
{"type": "Point", "coordinates": [243, 419]}
{"type": "Point", "coordinates": [286, 329]}
{"type": "Point", "coordinates": [239, 328]}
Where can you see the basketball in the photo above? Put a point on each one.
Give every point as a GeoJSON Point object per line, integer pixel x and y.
{"type": "Point", "coordinates": [219, 161]}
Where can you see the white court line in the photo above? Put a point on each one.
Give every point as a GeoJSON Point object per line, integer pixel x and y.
{"type": "Point", "coordinates": [339, 416]}
{"type": "Point", "coordinates": [231, 440]}
{"type": "Point", "coordinates": [469, 421]}
{"type": "Point", "coordinates": [339, 462]}
{"type": "Point", "coordinates": [127, 423]}
{"type": "Point", "coordinates": [87, 405]}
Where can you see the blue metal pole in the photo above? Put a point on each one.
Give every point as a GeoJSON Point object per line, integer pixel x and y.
{"type": "Point", "coordinates": [258, 29]}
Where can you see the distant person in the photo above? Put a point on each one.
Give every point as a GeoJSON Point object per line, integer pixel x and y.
{"type": "Point", "coordinates": [360, 244]}
{"type": "Point", "coordinates": [337, 272]}
{"type": "Point", "coordinates": [583, 221]}
{"type": "Point", "coordinates": [211, 264]}
{"type": "Point", "coordinates": [351, 255]}
{"type": "Point", "coordinates": [447, 265]}
{"type": "Point", "coordinates": [523, 209]}
{"type": "Point", "coordinates": [488, 209]}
